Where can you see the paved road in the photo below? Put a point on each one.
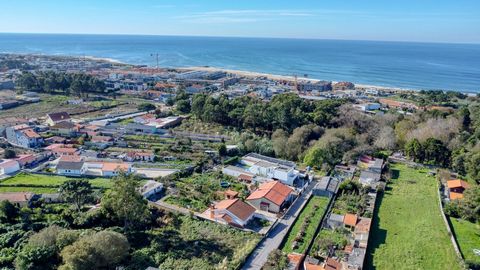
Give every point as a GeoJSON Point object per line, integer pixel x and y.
{"type": "Point", "coordinates": [274, 238]}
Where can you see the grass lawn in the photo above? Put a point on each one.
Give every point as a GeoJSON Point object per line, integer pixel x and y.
{"type": "Point", "coordinates": [39, 180]}
{"type": "Point", "coordinates": [314, 209]}
{"type": "Point", "coordinates": [37, 190]}
{"type": "Point", "coordinates": [408, 231]}
{"type": "Point", "coordinates": [468, 238]}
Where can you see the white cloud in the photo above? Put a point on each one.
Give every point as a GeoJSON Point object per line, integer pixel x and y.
{"type": "Point", "coordinates": [242, 15]}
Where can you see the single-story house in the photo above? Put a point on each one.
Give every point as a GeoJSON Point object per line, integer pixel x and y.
{"type": "Point", "coordinates": [350, 220]}
{"type": "Point", "coordinates": [456, 188]}
{"type": "Point", "coordinates": [9, 166]}
{"type": "Point", "coordinates": [101, 141]}
{"type": "Point", "coordinates": [141, 155]}
{"type": "Point", "coordinates": [151, 188]}
{"type": "Point", "coordinates": [19, 199]}
{"type": "Point", "coordinates": [25, 160]}
{"type": "Point", "coordinates": [71, 166]}
{"type": "Point", "coordinates": [110, 169]}
{"type": "Point", "coordinates": [271, 196]}
{"type": "Point", "coordinates": [335, 221]}
{"type": "Point", "coordinates": [64, 151]}
{"type": "Point", "coordinates": [65, 128]}
{"type": "Point", "coordinates": [54, 118]}
{"type": "Point", "coordinates": [233, 212]}
{"type": "Point", "coordinates": [369, 178]}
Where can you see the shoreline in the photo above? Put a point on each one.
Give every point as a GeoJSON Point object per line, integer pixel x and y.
{"type": "Point", "coordinates": [253, 74]}
{"type": "Point", "coordinates": [244, 73]}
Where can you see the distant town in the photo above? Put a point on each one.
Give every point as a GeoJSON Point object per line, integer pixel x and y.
{"type": "Point", "coordinates": [231, 170]}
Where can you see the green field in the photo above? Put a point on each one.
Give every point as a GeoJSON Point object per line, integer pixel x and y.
{"type": "Point", "coordinates": [468, 238]}
{"type": "Point", "coordinates": [408, 231]}
{"type": "Point", "coordinates": [314, 209]}
{"type": "Point", "coordinates": [48, 183]}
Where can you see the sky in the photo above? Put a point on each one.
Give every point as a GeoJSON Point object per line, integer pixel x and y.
{"type": "Point", "coordinates": [452, 21]}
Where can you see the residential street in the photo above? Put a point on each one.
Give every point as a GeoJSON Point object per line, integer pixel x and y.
{"type": "Point", "coordinates": [274, 238]}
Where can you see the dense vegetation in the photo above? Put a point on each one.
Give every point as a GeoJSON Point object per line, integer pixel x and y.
{"type": "Point", "coordinates": [123, 231]}
{"type": "Point", "coordinates": [77, 84]}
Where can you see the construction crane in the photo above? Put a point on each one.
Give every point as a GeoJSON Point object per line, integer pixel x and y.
{"type": "Point", "coordinates": [156, 57]}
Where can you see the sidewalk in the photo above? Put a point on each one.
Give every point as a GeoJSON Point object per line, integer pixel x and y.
{"type": "Point", "coordinates": [275, 237]}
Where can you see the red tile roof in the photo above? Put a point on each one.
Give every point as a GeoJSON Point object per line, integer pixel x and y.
{"type": "Point", "coordinates": [110, 166]}
{"type": "Point", "coordinates": [455, 195]}
{"type": "Point", "coordinates": [237, 208]}
{"type": "Point", "coordinates": [457, 183]}
{"type": "Point", "coordinates": [16, 197]}
{"type": "Point", "coordinates": [350, 220]}
{"type": "Point", "coordinates": [273, 191]}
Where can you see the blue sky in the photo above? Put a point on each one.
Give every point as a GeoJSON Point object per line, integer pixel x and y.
{"type": "Point", "coordinates": [402, 20]}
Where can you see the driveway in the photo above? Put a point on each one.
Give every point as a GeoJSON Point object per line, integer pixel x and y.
{"type": "Point", "coordinates": [275, 237]}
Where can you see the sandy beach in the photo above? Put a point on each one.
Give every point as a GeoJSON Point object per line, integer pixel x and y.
{"type": "Point", "coordinates": [252, 74]}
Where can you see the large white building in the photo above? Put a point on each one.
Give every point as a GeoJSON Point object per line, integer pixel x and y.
{"type": "Point", "coordinates": [271, 168]}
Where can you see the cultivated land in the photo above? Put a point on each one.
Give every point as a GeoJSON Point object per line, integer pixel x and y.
{"type": "Point", "coordinates": [408, 231]}
{"type": "Point", "coordinates": [468, 238]}
{"type": "Point", "coordinates": [314, 209]}
{"type": "Point", "coordinates": [39, 182]}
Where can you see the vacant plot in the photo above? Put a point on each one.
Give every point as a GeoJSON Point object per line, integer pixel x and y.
{"type": "Point", "coordinates": [199, 190]}
{"type": "Point", "coordinates": [35, 181]}
{"type": "Point", "coordinates": [468, 238]}
{"type": "Point", "coordinates": [408, 231]}
{"type": "Point", "coordinates": [309, 219]}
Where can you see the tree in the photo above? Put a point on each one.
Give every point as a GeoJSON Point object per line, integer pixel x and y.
{"type": "Point", "coordinates": [8, 212]}
{"type": "Point", "coordinates": [222, 150]}
{"type": "Point", "coordinates": [183, 106]}
{"type": "Point", "coordinates": [9, 153]}
{"type": "Point", "coordinates": [36, 258]}
{"type": "Point", "coordinates": [276, 260]}
{"type": "Point", "coordinates": [385, 139]}
{"type": "Point", "coordinates": [102, 250]}
{"type": "Point", "coordinates": [473, 166]}
{"type": "Point", "coordinates": [124, 201]}
{"type": "Point", "coordinates": [77, 192]}
{"type": "Point", "coordinates": [146, 107]}
{"type": "Point", "coordinates": [436, 153]}
{"type": "Point", "coordinates": [279, 142]}
{"type": "Point", "coordinates": [414, 150]}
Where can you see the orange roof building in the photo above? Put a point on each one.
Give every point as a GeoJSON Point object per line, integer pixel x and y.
{"type": "Point", "coordinates": [350, 220]}
{"type": "Point", "coordinates": [113, 169]}
{"type": "Point", "coordinates": [270, 196]}
{"type": "Point", "coordinates": [456, 188]}
{"type": "Point", "coordinates": [233, 212]}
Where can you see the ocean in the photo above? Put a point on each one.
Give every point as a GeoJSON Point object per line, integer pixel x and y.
{"type": "Point", "coordinates": [392, 64]}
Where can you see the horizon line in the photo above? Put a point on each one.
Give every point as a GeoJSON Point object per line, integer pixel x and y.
{"type": "Point", "coordinates": [245, 37]}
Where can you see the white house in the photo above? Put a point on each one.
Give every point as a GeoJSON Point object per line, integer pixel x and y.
{"type": "Point", "coordinates": [110, 169]}
{"type": "Point", "coordinates": [9, 166]}
{"type": "Point", "coordinates": [272, 168]}
{"type": "Point", "coordinates": [54, 118]}
{"type": "Point", "coordinates": [71, 168]}
{"type": "Point", "coordinates": [151, 188]}
{"type": "Point", "coordinates": [23, 136]}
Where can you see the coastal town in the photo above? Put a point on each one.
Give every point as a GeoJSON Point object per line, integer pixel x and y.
{"type": "Point", "coordinates": [236, 170]}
